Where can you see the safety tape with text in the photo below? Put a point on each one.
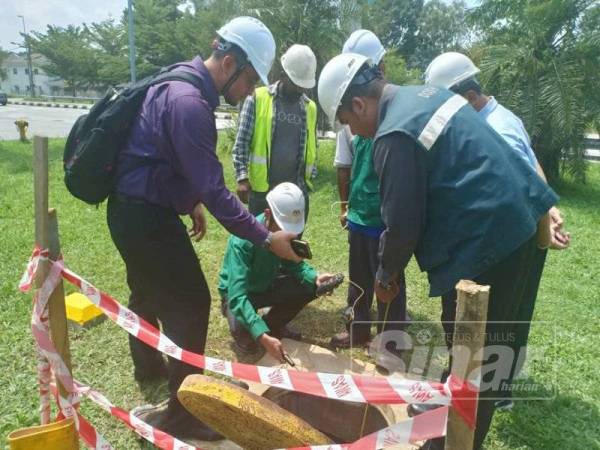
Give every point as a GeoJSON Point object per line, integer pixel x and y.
{"type": "Point", "coordinates": [339, 386]}
{"type": "Point", "coordinates": [425, 426]}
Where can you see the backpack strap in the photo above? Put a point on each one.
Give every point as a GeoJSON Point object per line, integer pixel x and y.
{"type": "Point", "coordinates": [179, 75]}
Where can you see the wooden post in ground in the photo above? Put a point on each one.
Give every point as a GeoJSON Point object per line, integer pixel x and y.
{"type": "Point", "coordinates": [56, 305]}
{"type": "Point", "coordinates": [468, 340]}
{"type": "Point", "coordinates": [46, 237]}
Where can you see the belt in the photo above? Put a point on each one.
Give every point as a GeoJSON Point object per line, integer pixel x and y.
{"type": "Point", "coordinates": [122, 198]}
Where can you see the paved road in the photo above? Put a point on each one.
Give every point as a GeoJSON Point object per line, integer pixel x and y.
{"type": "Point", "coordinates": [51, 122]}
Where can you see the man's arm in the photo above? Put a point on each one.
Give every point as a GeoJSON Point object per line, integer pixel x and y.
{"type": "Point", "coordinates": [190, 124]}
{"type": "Point", "coordinates": [302, 271]}
{"type": "Point", "coordinates": [241, 148]}
{"type": "Point", "coordinates": [238, 260]}
{"type": "Point", "coordinates": [343, 163]}
{"type": "Point", "coordinates": [401, 167]}
{"type": "Point", "coordinates": [343, 181]}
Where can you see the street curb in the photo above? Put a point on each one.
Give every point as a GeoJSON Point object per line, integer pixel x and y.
{"type": "Point", "coordinates": [50, 105]}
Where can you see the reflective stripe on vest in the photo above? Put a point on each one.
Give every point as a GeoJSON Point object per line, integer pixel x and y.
{"type": "Point", "coordinates": [260, 146]}
{"type": "Point", "coordinates": [440, 119]}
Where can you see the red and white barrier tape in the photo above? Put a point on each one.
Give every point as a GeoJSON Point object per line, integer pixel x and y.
{"type": "Point", "coordinates": [357, 388]}
{"type": "Point", "coordinates": [425, 426]}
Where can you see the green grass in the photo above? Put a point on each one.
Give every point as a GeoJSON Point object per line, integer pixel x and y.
{"type": "Point", "coordinates": [568, 300]}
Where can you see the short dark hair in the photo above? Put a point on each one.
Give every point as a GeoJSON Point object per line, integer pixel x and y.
{"type": "Point", "coordinates": [470, 84]}
{"type": "Point", "coordinates": [227, 48]}
{"type": "Point", "coordinates": [371, 88]}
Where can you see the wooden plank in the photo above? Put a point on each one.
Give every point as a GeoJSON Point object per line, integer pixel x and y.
{"type": "Point", "coordinates": [56, 304]}
{"type": "Point", "coordinates": [40, 191]}
{"type": "Point", "coordinates": [46, 236]}
{"type": "Point", "coordinates": [468, 340]}
{"type": "Point", "coordinates": [251, 421]}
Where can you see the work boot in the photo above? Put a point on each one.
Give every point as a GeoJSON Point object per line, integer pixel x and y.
{"type": "Point", "coordinates": [345, 340]}
{"type": "Point", "coordinates": [286, 332]}
{"type": "Point", "coordinates": [415, 409]}
{"type": "Point", "coordinates": [180, 425]}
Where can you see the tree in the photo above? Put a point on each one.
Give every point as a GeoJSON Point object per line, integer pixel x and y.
{"type": "Point", "coordinates": [539, 60]}
{"type": "Point", "coordinates": [396, 71]}
{"type": "Point", "coordinates": [442, 28]}
{"type": "Point", "coordinates": [395, 22]}
{"type": "Point", "coordinates": [69, 54]}
{"type": "Point", "coordinates": [3, 56]}
{"type": "Point", "coordinates": [109, 41]}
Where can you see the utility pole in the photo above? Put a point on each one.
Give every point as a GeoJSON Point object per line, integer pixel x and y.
{"type": "Point", "coordinates": [29, 63]}
{"type": "Point", "coordinates": [131, 40]}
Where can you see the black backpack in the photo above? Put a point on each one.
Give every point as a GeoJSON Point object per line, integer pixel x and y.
{"type": "Point", "coordinates": [93, 146]}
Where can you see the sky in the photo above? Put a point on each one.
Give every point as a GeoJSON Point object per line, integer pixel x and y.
{"type": "Point", "coordinates": [39, 13]}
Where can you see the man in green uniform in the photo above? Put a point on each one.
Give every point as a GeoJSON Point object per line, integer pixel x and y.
{"type": "Point", "coordinates": [251, 279]}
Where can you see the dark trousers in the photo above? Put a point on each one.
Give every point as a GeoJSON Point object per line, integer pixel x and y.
{"type": "Point", "coordinates": [286, 297]}
{"type": "Point", "coordinates": [513, 289]}
{"type": "Point", "coordinates": [167, 285]}
{"type": "Point", "coordinates": [363, 264]}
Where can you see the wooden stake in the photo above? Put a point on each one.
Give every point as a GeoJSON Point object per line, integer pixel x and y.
{"type": "Point", "coordinates": [468, 340]}
{"type": "Point", "coordinates": [56, 304]}
{"type": "Point", "coordinates": [46, 236]}
{"type": "Point", "coordinates": [40, 192]}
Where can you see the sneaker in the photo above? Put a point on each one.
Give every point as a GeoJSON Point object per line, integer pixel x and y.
{"type": "Point", "coordinates": [345, 340]}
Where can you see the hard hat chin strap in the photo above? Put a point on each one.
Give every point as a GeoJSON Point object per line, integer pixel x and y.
{"type": "Point", "coordinates": [241, 61]}
{"type": "Point", "coordinates": [233, 78]}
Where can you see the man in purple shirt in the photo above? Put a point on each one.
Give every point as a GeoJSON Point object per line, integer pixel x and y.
{"type": "Point", "coordinates": [169, 168]}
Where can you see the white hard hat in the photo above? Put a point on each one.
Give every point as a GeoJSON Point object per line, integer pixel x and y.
{"type": "Point", "coordinates": [335, 79]}
{"type": "Point", "coordinates": [255, 39]}
{"type": "Point", "coordinates": [365, 42]}
{"type": "Point", "coordinates": [300, 65]}
{"type": "Point", "coordinates": [286, 202]}
{"type": "Point", "coordinates": [449, 69]}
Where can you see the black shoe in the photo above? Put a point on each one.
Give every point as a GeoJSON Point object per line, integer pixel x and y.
{"type": "Point", "coordinates": [504, 404]}
{"type": "Point", "coordinates": [193, 432]}
{"type": "Point", "coordinates": [239, 383]}
{"type": "Point", "coordinates": [415, 409]}
{"type": "Point", "coordinates": [286, 332]}
{"type": "Point", "coordinates": [181, 425]}
{"type": "Point", "coordinates": [433, 444]}
{"type": "Point", "coordinates": [245, 348]}
{"type": "Point", "coordinates": [345, 340]}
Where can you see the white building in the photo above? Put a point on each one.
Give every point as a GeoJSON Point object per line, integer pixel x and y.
{"type": "Point", "coordinates": [17, 77]}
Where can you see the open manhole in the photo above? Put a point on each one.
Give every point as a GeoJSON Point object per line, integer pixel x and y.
{"type": "Point", "coordinates": [340, 420]}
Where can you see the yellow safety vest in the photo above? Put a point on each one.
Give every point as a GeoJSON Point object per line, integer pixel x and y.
{"type": "Point", "coordinates": [260, 147]}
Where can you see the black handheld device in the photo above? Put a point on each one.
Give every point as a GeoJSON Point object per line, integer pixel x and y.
{"type": "Point", "coordinates": [301, 248]}
{"type": "Point", "coordinates": [330, 284]}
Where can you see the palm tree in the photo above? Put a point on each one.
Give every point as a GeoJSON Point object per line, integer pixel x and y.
{"type": "Point", "coordinates": [538, 59]}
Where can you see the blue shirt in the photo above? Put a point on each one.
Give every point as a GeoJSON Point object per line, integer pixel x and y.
{"type": "Point", "coordinates": [511, 128]}
{"type": "Point", "coordinates": [176, 128]}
